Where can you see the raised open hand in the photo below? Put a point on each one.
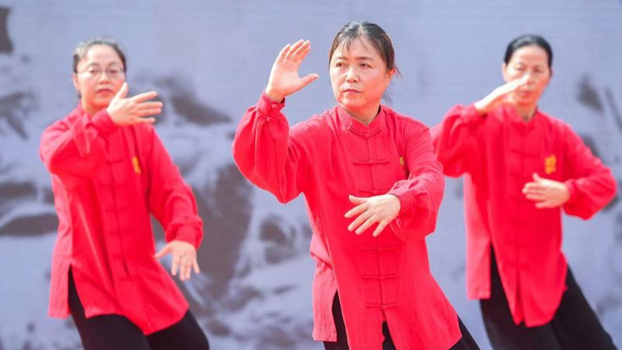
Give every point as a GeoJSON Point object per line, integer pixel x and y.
{"type": "Point", "coordinates": [138, 109]}
{"type": "Point", "coordinates": [284, 79]}
{"type": "Point", "coordinates": [501, 95]}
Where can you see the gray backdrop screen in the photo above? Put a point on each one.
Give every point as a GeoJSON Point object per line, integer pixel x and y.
{"type": "Point", "coordinates": [209, 60]}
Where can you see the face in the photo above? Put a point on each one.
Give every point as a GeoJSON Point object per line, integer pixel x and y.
{"type": "Point", "coordinates": [100, 76]}
{"type": "Point", "coordinates": [359, 78]}
{"type": "Point", "coordinates": [532, 62]}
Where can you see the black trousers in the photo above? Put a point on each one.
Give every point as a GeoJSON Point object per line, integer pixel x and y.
{"type": "Point", "coordinates": [465, 343]}
{"type": "Point", "coordinates": [574, 326]}
{"type": "Point", "coordinates": [116, 332]}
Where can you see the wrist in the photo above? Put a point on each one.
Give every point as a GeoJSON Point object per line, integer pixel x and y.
{"type": "Point", "coordinates": [112, 114]}
{"type": "Point", "coordinates": [103, 122]}
{"type": "Point", "coordinates": [481, 107]}
{"type": "Point", "coordinates": [566, 193]}
{"type": "Point", "coordinates": [273, 95]}
{"type": "Point", "coordinates": [395, 201]}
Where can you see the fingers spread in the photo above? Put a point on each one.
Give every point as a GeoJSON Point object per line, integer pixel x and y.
{"type": "Point", "coordinates": [283, 53]}
{"type": "Point", "coordinates": [356, 210]}
{"type": "Point", "coordinates": [151, 105]}
{"type": "Point", "coordinates": [379, 228]}
{"type": "Point", "coordinates": [145, 96]}
{"type": "Point", "coordinates": [186, 264]}
{"type": "Point", "coordinates": [176, 263]}
{"type": "Point", "coordinates": [537, 178]}
{"type": "Point", "coordinates": [145, 121]}
{"type": "Point", "coordinates": [357, 200]}
{"type": "Point", "coordinates": [308, 79]}
{"type": "Point", "coordinates": [122, 93]}
{"type": "Point", "coordinates": [163, 252]}
{"type": "Point", "coordinates": [195, 264]}
{"type": "Point", "coordinates": [293, 49]}
{"type": "Point", "coordinates": [359, 220]}
{"type": "Point", "coordinates": [533, 187]}
{"type": "Point", "coordinates": [301, 51]}
{"type": "Point", "coordinates": [148, 111]}
{"type": "Point", "coordinates": [367, 224]}
{"type": "Point", "coordinates": [535, 197]}
{"type": "Point", "coordinates": [305, 52]}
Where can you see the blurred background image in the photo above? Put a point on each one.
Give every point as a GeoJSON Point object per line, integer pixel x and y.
{"type": "Point", "coordinates": [209, 61]}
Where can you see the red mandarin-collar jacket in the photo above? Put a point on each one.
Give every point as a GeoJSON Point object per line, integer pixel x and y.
{"type": "Point", "coordinates": [386, 278]}
{"type": "Point", "coordinates": [106, 180]}
{"type": "Point", "coordinates": [499, 153]}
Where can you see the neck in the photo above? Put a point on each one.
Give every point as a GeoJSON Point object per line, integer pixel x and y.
{"type": "Point", "coordinates": [365, 116]}
{"type": "Point", "coordinates": [90, 109]}
{"type": "Point", "coordinates": [526, 112]}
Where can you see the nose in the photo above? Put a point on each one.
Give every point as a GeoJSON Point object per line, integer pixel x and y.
{"type": "Point", "coordinates": [104, 76]}
{"type": "Point", "coordinates": [352, 75]}
{"type": "Point", "coordinates": [530, 76]}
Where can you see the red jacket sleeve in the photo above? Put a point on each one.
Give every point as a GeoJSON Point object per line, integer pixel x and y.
{"type": "Point", "coordinates": [170, 199]}
{"type": "Point", "coordinates": [455, 139]}
{"type": "Point", "coordinates": [75, 150]}
{"type": "Point", "coordinates": [421, 194]}
{"type": "Point", "coordinates": [267, 154]}
{"type": "Point", "coordinates": [590, 183]}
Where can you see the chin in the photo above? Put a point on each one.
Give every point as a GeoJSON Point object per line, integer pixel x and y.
{"type": "Point", "coordinates": [525, 101]}
{"type": "Point", "coordinates": [349, 104]}
{"type": "Point", "coordinates": [102, 102]}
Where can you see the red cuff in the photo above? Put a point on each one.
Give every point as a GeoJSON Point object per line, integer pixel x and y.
{"type": "Point", "coordinates": [396, 226]}
{"type": "Point", "coordinates": [406, 196]}
{"type": "Point", "coordinates": [470, 114]}
{"type": "Point", "coordinates": [188, 234]}
{"type": "Point", "coordinates": [572, 189]}
{"type": "Point", "coordinates": [269, 108]}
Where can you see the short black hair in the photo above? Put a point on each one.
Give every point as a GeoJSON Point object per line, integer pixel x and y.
{"type": "Point", "coordinates": [376, 35]}
{"type": "Point", "coordinates": [83, 48]}
{"type": "Point", "coordinates": [529, 40]}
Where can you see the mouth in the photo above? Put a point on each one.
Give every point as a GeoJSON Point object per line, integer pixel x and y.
{"type": "Point", "coordinates": [524, 92]}
{"type": "Point", "coordinates": [104, 91]}
{"type": "Point", "coordinates": [350, 91]}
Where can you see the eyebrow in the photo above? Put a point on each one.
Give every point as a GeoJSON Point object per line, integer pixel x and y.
{"type": "Point", "coordinates": [95, 64]}
{"type": "Point", "coordinates": [359, 58]}
{"type": "Point", "coordinates": [523, 63]}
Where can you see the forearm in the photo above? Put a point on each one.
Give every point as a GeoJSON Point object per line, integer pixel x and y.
{"type": "Point", "coordinates": [455, 138]}
{"type": "Point", "coordinates": [76, 149]}
{"type": "Point", "coordinates": [265, 152]}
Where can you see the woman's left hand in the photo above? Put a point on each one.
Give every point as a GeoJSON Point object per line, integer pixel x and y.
{"type": "Point", "coordinates": [184, 258]}
{"type": "Point", "coordinates": [371, 210]}
{"type": "Point", "coordinates": [546, 193]}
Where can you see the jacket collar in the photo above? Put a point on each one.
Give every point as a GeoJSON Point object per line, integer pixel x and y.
{"type": "Point", "coordinates": [357, 127]}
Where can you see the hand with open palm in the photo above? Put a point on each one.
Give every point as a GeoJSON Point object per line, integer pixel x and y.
{"type": "Point", "coordinates": [369, 211]}
{"type": "Point", "coordinates": [124, 110]}
{"type": "Point", "coordinates": [502, 95]}
{"type": "Point", "coordinates": [546, 193]}
{"type": "Point", "coordinates": [284, 79]}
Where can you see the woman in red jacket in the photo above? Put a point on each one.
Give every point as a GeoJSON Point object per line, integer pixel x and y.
{"type": "Point", "coordinates": [373, 188]}
{"type": "Point", "coordinates": [110, 171]}
{"type": "Point", "coordinates": [522, 168]}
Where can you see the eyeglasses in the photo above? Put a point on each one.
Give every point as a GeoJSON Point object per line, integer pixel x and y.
{"type": "Point", "coordinates": [95, 72]}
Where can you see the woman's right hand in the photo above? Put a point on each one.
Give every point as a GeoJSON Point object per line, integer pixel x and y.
{"type": "Point", "coordinates": [138, 109]}
{"type": "Point", "coordinates": [284, 79]}
{"type": "Point", "coordinates": [500, 96]}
